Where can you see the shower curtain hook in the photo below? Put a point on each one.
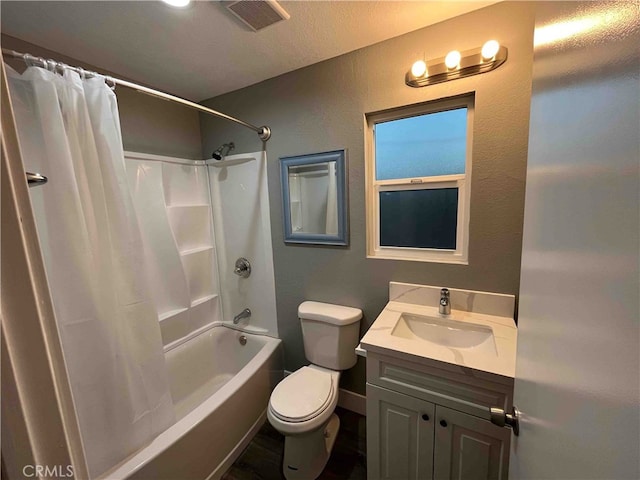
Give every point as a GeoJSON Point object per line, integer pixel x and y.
{"type": "Point", "coordinates": [111, 83]}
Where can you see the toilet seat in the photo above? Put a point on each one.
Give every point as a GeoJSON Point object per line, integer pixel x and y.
{"type": "Point", "coordinates": [303, 395]}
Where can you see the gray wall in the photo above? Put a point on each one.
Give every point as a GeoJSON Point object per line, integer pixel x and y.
{"type": "Point", "coordinates": [149, 125]}
{"type": "Point", "coordinates": [322, 107]}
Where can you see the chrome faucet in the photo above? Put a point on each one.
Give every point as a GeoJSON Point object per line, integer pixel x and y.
{"type": "Point", "coordinates": [445, 302]}
{"type": "Point", "coordinates": [246, 313]}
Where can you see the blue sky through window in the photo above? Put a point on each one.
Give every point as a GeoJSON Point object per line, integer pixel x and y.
{"type": "Point", "coordinates": [426, 145]}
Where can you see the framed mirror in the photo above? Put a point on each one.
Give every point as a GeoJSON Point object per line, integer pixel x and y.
{"type": "Point", "coordinates": [314, 198]}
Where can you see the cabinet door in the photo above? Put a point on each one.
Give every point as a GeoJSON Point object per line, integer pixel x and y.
{"type": "Point", "coordinates": [469, 448]}
{"type": "Point", "coordinates": [399, 436]}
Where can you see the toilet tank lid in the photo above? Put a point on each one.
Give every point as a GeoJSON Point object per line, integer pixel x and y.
{"type": "Point", "coordinates": [329, 313]}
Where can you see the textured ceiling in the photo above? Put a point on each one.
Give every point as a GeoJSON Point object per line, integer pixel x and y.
{"type": "Point", "coordinates": [203, 51]}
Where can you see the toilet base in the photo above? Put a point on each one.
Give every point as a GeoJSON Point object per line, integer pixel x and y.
{"type": "Point", "coordinates": [305, 456]}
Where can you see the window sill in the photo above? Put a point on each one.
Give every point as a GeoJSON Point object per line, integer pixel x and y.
{"type": "Point", "coordinates": [453, 260]}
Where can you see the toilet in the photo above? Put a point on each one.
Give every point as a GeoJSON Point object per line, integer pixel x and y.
{"type": "Point", "coordinates": [301, 406]}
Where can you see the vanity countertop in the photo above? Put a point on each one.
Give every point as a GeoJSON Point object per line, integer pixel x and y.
{"type": "Point", "coordinates": [479, 310]}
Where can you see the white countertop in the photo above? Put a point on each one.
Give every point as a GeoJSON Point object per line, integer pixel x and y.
{"type": "Point", "coordinates": [501, 362]}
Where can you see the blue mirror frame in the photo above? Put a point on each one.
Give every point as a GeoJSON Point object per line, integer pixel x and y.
{"type": "Point", "coordinates": [342, 237]}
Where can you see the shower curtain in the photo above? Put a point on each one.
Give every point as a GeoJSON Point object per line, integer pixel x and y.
{"type": "Point", "coordinates": [69, 130]}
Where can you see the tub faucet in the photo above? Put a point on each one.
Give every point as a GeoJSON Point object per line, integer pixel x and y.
{"type": "Point", "coordinates": [445, 302]}
{"type": "Point", "coordinates": [246, 313]}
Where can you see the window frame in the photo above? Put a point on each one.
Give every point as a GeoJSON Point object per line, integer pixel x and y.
{"type": "Point", "coordinates": [460, 181]}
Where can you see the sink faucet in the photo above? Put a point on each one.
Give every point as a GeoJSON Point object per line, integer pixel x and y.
{"type": "Point", "coordinates": [445, 302]}
{"type": "Point", "coordinates": [246, 313]}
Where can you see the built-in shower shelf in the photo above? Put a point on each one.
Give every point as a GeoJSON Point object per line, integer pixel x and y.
{"type": "Point", "coordinates": [201, 300]}
{"type": "Point", "coordinates": [171, 313]}
{"type": "Point", "coordinates": [191, 251]}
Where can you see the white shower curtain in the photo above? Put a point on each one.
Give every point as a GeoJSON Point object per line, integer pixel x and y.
{"type": "Point", "coordinates": [69, 130]}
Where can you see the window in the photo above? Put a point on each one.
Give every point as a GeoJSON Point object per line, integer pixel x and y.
{"type": "Point", "coordinates": [418, 178]}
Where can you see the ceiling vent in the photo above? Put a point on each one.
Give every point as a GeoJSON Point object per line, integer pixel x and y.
{"type": "Point", "coordinates": [258, 14]}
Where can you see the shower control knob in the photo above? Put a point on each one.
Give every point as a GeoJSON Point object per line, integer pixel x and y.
{"type": "Point", "coordinates": [242, 268]}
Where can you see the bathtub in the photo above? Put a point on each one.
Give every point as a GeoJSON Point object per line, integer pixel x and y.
{"type": "Point", "coordinates": [220, 391]}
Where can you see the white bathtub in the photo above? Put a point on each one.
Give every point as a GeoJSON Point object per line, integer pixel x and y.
{"type": "Point", "coordinates": [221, 391]}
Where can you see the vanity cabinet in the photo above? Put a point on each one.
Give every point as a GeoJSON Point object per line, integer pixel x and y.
{"type": "Point", "coordinates": [468, 447]}
{"type": "Point", "coordinates": [432, 421]}
{"type": "Point", "coordinates": [400, 431]}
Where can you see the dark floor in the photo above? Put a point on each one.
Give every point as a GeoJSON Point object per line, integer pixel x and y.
{"type": "Point", "coordinates": [262, 459]}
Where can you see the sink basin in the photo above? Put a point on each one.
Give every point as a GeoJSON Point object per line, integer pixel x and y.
{"type": "Point", "coordinates": [445, 332]}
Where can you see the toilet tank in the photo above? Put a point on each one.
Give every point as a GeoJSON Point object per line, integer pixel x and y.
{"type": "Point", "coordinates": [331, 333]}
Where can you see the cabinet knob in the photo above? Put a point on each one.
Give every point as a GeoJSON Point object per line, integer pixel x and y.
{"type": "Point", "coordinates": [443, 423]}
{"type": "Point", "coordinates": [425, 417]}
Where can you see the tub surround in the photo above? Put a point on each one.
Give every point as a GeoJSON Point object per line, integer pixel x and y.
{"type": "Point", "coordinates": [492, 313]}
{"type": "Point", "coordinates": [241, 220]}
{"type": "Point", "coordinates": [172, 200]}
{"type": "Point", "coordinates": [197, 218]}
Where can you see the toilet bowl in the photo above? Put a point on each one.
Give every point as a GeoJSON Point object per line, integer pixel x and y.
{"type": "Point", "coordinates": [302, 405]}
{"type": "Point", "coordinates": [304, 400]}
{"type": "Point", "coordinates": [301, 408]}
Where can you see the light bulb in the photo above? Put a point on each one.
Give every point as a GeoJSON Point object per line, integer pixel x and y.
{"type": "Point", "coordinates": [419, 68]}
{"type": "Point", "coordinates": [490, 49]}
{"type": "Point", "coordinates": [452, 60]}
{"type": "Point", "coordinates": [177, 3]}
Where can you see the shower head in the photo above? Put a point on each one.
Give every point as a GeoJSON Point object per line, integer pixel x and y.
{"type": "Point", "coordinates": [217, 155]}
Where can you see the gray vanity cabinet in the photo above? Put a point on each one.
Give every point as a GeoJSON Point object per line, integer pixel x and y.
{"type": "Point", "coordinates": [469, 448]}
{"type": "Point", "coordinates": [400, 433]}
{"type": "Point", "coordinates": [425, 423]}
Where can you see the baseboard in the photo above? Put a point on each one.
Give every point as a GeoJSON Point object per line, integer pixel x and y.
{"type": "Point", "coordinates": [352, 401]}
{"type": "Point", "coordinates": [348, 400]}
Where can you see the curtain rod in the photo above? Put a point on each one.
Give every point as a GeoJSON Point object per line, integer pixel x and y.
{"type": "Point", "coordinates": [263, 132]}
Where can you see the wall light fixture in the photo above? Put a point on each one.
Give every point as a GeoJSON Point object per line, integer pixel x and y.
{"type": "Point", "coordinates": [452, 60]}
{"type": "Point", "coordinates": [457, 65]}
{"type": "Point", "coordinates": [419, 68]}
